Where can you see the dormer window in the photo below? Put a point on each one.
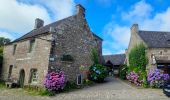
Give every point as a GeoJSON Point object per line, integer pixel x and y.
{"type": "Point", "coordinates": [32, 44]}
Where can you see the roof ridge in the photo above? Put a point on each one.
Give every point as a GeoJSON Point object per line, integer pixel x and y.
{"type": "Point", "coordinates": [154, 31]}
{"type": "Point", "coordinates": [115, 54]}
{"type": "Point", "coordinates": [22, 37]}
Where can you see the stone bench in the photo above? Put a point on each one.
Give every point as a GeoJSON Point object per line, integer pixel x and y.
{"type": "Point", "coordinates": [8, 84]}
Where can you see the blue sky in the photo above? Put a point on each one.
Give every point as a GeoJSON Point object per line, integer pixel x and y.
{"type": "Point", "coordinates": [110, 19]}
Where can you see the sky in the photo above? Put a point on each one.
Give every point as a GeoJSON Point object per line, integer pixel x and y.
{"type": "Point", "coordinates": [109, 19]}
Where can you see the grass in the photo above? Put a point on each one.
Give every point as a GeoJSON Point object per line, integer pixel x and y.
{"type": "Point", "coordinates": [2, 84]}
{"type": "Point", "coordinates": [37, 91]}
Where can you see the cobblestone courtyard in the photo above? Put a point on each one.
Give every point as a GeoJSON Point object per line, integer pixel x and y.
{"type": "Point", "coordinates": [114, 89]}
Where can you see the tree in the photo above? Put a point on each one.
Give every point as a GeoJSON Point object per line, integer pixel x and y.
{"type": "Point", "coordinates": [4, 41]}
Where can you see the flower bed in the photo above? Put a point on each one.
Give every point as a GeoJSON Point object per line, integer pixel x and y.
{"type": "Point", "coordinates": [134, 78]}
{"type": "Point", "coordinates": [97, 73]}
{"type": "Point", "coordinates": [54, 81]}
{"type": "Point", "coordinates": [156, 78]}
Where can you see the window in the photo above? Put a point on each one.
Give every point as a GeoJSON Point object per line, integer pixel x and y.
{"type": "Point", "coordinates": [34, 76]}
{"type": "Point", "coordinates": [79, 79]}
{"type": "Point", "coordinates": [32, 44]}
{"type": "Point", "coordinates": [14, 50]}
{"type": "Point", "coordinates": [10, 71]}
{"type": "Point", "coordinates": [67, 58]}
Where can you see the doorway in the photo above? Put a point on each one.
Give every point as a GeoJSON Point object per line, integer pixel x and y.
{"type": "Point", "coordinates": [21, 78]}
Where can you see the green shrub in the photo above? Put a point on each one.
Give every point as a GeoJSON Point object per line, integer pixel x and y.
{"type": "Point", "coordinates": [87, 82]}
{"type": "Point", "coordinates": [35, 91]}
{"type": "Point", "coordinates": [1, 57]}
{"type": "Point", "coordinates": [70, 86]}
{"type": "Point", "coordinates": [98, 73]}
{"type": "Point", "coordinates": [2, 84]}
{"type": "Point", "coordinates": [137, 58]}
{"type": "Point", "coordinates": [47, 93]}
{"type": "Point", "coordinates": [123, 72]}
{"type": "Point", "coordinates": [138, 62]}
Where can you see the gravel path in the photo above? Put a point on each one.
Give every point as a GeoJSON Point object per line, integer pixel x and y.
{"type": "Point", "coordinates": [114, 89]}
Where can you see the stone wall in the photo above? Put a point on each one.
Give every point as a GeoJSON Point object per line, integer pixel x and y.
{"type": "Point", "coordinates": [38, 59]}
{"type": "Point", "coordinates": [163, 53]}
{"type": "Point", "coordinates": [135, 40]}
{"type": "Point", "coordinates": [74, 38]}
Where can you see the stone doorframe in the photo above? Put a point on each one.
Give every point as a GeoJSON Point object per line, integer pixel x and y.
{"type": "Point", "coordinates": [21, 78]}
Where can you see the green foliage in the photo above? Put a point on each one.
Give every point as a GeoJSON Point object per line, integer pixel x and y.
{"type": "Point", "coordinates": [2, 84]}
{"type": "Point", "coordinates": [98, 73]}
{"type": "Point", "coordinates": [123, 72]}
{"type": "Point", "coordinates": [70, 86]}
{"type": "Point", "coordinates": [138, 59]}
{"type": "Point", "coordinates": [1, 58]}
{"type": "Point", "coordinates": [138, 62]}
{"type": "Point", "coordinates": [47, 93]}
{"type": "Point", "coordinates": [4, 41]}
{"type": "Point", "coordinates": [95, 56]}
{"type": "Point", "coordinates": [35, 91]}
{"type": "Point", "coordinates": [88, 82]}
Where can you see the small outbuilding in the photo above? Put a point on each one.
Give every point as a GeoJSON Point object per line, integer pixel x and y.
{"type": "Point", "coordinates": [114, 62]}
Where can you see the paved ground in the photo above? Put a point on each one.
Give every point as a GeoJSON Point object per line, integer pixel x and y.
{"type": "Point", "coordinates": [112, 90]}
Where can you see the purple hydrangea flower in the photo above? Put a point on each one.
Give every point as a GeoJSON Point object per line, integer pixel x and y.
{"type": "Point", "coordinates": [54, 81]}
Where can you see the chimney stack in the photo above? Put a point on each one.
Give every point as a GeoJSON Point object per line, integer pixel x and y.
{"type": "Point", "coordinates": [134, 28]}
{"type": "Point", "coordinates": [38, 23]}
{"type": "Point", "coordinates": [80, 10]}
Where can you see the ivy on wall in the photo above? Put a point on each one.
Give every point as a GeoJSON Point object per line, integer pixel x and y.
{"type": "Point", "coordinates": [137, 58]}
{"type": "Point", "coordinates": [95, 56]}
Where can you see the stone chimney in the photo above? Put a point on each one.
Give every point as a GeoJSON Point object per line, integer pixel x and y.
{"type": "Point", "coordinates": [80, 10]}
{"type": "Point", "coordinates": [38, 23]}
{"type": "Point", "coordinates": [134, 28]}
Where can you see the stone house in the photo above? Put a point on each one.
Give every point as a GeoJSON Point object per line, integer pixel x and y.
{"type": "Point", "coordinates": [63, 45]}
{"type": "Point", "coordinates": [114, 62]}
{"type": "Point", "coordinates": [157, 44]}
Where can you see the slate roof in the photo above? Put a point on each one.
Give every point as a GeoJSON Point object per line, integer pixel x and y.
{"type": "Point", "coordinates": [155, 39]}
{"type": "Point", "coordinates": [45, 29]}
{"type": "Point", "coordinates": [117, 59]}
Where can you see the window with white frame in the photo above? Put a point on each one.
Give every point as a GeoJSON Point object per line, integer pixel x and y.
{"type": "Point", "coordinates": [34, 76]}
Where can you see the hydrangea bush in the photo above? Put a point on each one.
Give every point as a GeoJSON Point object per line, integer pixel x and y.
{"type": "Point", "coordinates": [97, 72]}
{"type": "Point", "coordinates": [134, 78]}
{"type": "Point", "coordinates": [156, 78]}
{"type": "Point", "coordinates": [54, 81]}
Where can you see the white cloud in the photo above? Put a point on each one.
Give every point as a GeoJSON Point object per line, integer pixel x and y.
{"type": "Point", "coordinates": [119, 37]}
{"type": "Point", "coordinates": [18, 17]}
{"type": "Point", "coordinates": [61, 8]}
{"type": "Point", "coordinates": [106, 52]}
{"type": "Point", "coordinates": [139, 13]}
{"type": "Point", "coordinates": [6, 35]}
{"type": "Point", "coordinates": [160, 22]}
